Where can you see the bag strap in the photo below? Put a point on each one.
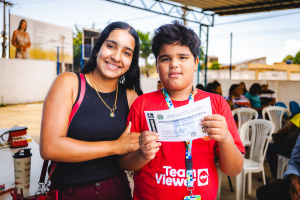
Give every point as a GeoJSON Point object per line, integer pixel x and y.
{"type": "Point", "coordinates": [73, 112]}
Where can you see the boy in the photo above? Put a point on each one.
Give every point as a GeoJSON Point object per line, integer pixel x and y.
{"type": "Point", "coordinates": [160, 167]}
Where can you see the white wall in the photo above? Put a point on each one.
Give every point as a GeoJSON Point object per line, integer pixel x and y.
{"type": "Point", "coordinates": [286, 91]}
{"type": "Point", "coordinates": [25, 81]}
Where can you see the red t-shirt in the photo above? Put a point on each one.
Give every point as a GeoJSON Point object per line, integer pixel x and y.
{"type": "Point", "coordinates": [164, 177]}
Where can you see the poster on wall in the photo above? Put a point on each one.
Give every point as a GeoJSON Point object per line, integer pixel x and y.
{"type": "Point", "coordinates": [31, 39]}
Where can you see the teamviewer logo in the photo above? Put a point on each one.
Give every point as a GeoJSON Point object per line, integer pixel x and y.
{"type": "Point", "coordinates": [202, 177]}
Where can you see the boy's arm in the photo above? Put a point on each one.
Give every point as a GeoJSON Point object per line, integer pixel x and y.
{"type": "Point", "coordinates": [139, 158]}
{"type": "Point", "coordinates": [231, 159]}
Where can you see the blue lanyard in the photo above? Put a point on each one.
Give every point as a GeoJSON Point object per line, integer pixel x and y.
{"type": "Point", "coordinates": [188, 152]}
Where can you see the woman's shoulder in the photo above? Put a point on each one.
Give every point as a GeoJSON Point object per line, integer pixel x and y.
{"type": "Point", "coordinates": [67, 79]}
{"type": "Point", "coordinates": [67, 76]}
{"type": "Point", "coordinates": [131, 96]}
{"type": "Point", "coordinates": [15, 32]}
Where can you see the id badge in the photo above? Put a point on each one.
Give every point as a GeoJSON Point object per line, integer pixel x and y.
{"type": "Point", "coordinates": [192, 197]}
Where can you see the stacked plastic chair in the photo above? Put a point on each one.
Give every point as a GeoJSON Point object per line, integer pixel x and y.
{"type": "Point", "coordinates": [261, 135]}
{"type": "Point", "coordinates": [275, 114]}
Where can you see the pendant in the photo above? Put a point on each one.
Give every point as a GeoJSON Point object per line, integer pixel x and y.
{"type": "Point", "coordinates": [112, 114]}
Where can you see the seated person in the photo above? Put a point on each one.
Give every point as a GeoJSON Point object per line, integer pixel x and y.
{"type": "Point", "coordinates": [200, 87]}
{"type": "Point", "coordinates": [235, 99]}
{"type": "Point", "coordinates": [284, 141]}
{"type": "Point", "coordinates": [243, 86]}
{"type": "Point", "coordinates": [288, 187]}
{"type": "Point", "coordinates": [214, 87]}
{"type": "Point", "coordinates": [217, 88]}
{"type": "Point", "coordinates": [253, 96]}
{"type": "Point", "coordinates": [159, 85]}
{"type": "Point", "coordinates": [267, 96]}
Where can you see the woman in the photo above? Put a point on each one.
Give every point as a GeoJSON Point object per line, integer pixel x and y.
{"type": "Point", "coordinates": [21, 40]}
{"type": "Point", "coordinates": [87, 150]}
{"type": "Point", "coordinates": [214, 87]}
{"type": "Point", "coordinates": [253, 96]}
{"type": "Point", "coordinates": [243, 87]}
{"type": "Point", "coordinates": [235, 99]}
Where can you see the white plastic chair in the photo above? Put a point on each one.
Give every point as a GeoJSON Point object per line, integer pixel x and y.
{"type": "Point", "coordinates": [261, 135]}
{"type": "Point", "coordinates": [275, 114]}
{"type": "Point", "coordinates": [244, 115]}
{"type": "Point", "coordinates": [282, 163]}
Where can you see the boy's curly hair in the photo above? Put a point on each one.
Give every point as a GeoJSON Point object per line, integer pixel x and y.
{"type": "Point", "coordinates": [177, 34]}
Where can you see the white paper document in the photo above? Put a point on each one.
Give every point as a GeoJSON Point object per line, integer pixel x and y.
{"type": "Point", "coordinates": [179, 124]}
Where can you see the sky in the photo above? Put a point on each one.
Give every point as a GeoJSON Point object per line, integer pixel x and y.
{"type": "Point", "coordinates": [273, 35]}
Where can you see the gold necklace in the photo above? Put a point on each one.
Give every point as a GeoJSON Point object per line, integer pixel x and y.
{"type": "Point", "coordinates": [112, 110]}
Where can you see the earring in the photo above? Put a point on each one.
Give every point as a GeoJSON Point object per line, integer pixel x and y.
{"type": "Point", "coordinates": [122, 79]}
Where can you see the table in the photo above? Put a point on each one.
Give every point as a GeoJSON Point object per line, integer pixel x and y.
{"type": "Point", "coordinates": [7, 167]}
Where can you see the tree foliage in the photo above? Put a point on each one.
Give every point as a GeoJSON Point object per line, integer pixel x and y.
{"type": "Point", "coordinates": [296, 59]}
{"type": "Point", "coordinates": [215, 66]}
{"type": "Point", "coordinates": [288, 57]}
{"type": "Point", "coordinates": [145, 48]}
{"type": "Point", "coordinates": [77, 36]}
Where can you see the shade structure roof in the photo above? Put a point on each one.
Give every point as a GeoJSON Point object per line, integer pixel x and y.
{"type": "Point", "coordinates": [234, 7]}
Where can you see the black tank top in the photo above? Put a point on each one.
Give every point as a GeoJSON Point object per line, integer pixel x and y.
{"type": "Point", "coordinates": [92, 122]}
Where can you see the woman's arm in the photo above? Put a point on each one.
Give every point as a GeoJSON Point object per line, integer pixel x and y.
{"type": "Point", "coordinates": [13, 40]}
{"type": "Point", "coordinates": [28, 44]}
{"type": "Point", "coordinates": [56, 111]}
{"type": "Point", "coordinates": [230, 104]}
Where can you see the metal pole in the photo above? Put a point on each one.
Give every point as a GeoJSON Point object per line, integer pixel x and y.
{"type": "Point", "coordinates": [81, 59]}
{"type": "Point", "coordinates": [57, 66]}
{"type": "Point", "coordinates": [206, 56]}
{"type": "Point", "coordinates": [200, 53]}
{"type": "Point", "coordinates": [230, 67]}
{"type": "Point", "coordinates": [9, 33]}
{"type": "Point", "coordinates": [4, 33]}
{"type": "Point", "coordinates": [63, 68]}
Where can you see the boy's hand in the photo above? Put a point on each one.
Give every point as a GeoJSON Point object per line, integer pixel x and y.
{"type": "Point", "coordinates": [148, 144]}
{"type": "Point", "coordinates": [216, 127]}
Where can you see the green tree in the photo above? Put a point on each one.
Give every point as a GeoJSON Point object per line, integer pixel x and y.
{"type": "Point", "coordinates": [288, 57]}
{"type": "Point", "coordinates": [77, 36]}
{"type": "Point", "coordinates": [296, 59]}
{"type": "Point", "coordinates": [145, 48]}
{"type": "Point", "coordinates": [77, 41]}
{"type": "Point", "coordinates": [215, 66]}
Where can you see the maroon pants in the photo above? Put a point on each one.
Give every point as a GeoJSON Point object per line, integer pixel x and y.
{"type": "Point", "coordinates": [114, 188]}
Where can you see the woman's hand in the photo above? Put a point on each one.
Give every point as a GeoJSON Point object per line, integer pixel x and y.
{"type": "Point", "coordinates": [148, 145]}
{"type": "Point", "coordinates": [128, 141]}
{"type": "Point", "coordinates": [216, 127]}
